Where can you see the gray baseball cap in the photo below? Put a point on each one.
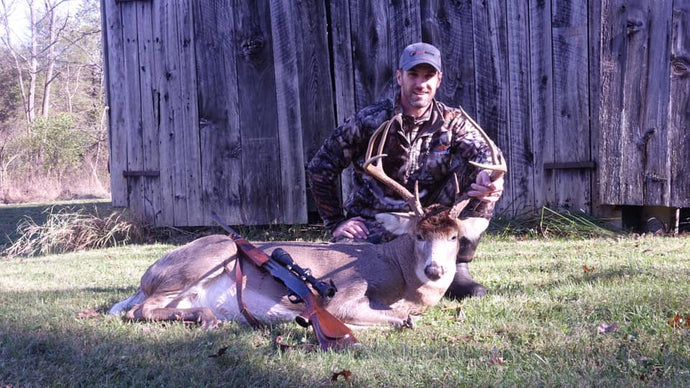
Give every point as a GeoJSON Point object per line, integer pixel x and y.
{"type": "Point", "coordinates": [419, 52]}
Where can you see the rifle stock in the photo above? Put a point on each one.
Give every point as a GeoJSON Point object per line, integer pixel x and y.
{"type": "Point", "coordinates": [329, 330]}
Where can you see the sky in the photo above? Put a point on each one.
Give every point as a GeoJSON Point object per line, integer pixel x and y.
{"type": "Point", "coordinates": [19, 17]}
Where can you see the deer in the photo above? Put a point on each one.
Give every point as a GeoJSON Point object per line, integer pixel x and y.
{"type": "Point", "coordinates": [390, 283]}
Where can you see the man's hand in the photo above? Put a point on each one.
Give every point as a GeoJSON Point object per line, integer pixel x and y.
{"type": "Point", "coordinates": [352, 228]}
{"type": "Point", "coordinates": [486, 190]}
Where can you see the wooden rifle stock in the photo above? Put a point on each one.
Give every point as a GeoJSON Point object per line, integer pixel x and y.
{"type": "Point", "coordinates": [329, 330]}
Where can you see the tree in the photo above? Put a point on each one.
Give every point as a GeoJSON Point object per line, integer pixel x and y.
{"type": "Point", "coordinates": [52, 92]}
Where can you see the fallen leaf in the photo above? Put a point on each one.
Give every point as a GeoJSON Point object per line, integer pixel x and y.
{"type": "Point", "coordinates": [88, 314]}
{"type": "Point", "coordinates": [220, 352]}
{"type": "Point", "coordinates": [606, 328]}
{"type": "Point", "coordinates": [345, 373]}
{"type": "Point", "coordinates": [678, 321]}
{"type": "Point", "coordinates": [588, 269]}
{"type": "Point", "coordinates": [495, 359]}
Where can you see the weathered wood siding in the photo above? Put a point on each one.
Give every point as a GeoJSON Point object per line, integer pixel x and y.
{"type": "Point", "coordinates": [645, 107]}
{"type": "Point", "coordinates": [206, 107]}
{"type": "Point", "coordinates": [218, 105]}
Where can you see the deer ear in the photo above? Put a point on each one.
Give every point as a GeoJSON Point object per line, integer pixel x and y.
{"type": "Point", "coordinates": [396, 223]}
{"type": "Point", "coordinates": [473, 227]}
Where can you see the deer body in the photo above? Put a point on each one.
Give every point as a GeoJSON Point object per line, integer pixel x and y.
{"type": "Point", "coordinates": [377, 283]}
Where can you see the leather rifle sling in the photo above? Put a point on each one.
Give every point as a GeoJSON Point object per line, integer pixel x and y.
{"type": "Point", "coordinates": [239, 283]}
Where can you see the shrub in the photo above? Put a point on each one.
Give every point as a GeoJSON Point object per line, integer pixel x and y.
{"type": "Point", "coordinates": [68, 230]}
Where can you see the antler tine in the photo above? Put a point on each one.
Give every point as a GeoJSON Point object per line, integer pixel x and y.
{"type": "Point", "coordinates": [498, 167]}
{"type": "Point", "coordinates": [461, 201]}
{"type": "Point", "coordinates": [373, 166]}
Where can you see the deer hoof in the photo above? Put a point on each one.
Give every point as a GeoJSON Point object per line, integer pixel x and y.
{"type": "Point", "coordinates": [407, 323]}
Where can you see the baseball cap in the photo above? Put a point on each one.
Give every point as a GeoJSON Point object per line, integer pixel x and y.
{"type": "Point", "coordinates": [417, 53]}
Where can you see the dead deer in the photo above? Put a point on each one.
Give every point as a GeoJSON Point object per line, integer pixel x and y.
{"type": "Point", "coordinates": [378, 284]}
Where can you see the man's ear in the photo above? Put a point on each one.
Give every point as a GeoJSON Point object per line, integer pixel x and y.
{"type": "Point", "coordinates": [398, 77]}
{"type": "Point", "coordinates": [440, 76]}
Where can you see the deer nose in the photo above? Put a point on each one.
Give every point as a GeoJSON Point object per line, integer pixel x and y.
{"type": "Point", "coordinates": [433, 271]}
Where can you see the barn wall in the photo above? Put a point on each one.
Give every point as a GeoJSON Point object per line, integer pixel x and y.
{"type": "Point", "coordinates": [218, 105]}
{"type": "Point", "coordinates": [645, 107]}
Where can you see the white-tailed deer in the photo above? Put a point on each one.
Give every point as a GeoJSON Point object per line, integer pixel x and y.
{"type": "Point", "coordinates": [377, 283]}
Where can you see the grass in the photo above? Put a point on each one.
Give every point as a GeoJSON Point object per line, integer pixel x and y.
{"type": "Point", "coordinates": [539, 325]}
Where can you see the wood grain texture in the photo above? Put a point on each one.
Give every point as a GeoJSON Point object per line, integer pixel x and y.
{"type": "Point", "coordinates": [284, 18]}
{"type": "Point", "coordinates": [679, 112]}
{"type": "Point", "coordinates": [572, 189]}
{"type": "Point", "coordinates": [219, 126]}
{"type": "Point", "coordinates": [541, 98]}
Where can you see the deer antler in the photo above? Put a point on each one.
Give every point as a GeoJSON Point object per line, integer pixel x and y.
{"type": "Point", "coordinates": [497, 169]}
{"type": "Point", "coordinates": [374, 167]}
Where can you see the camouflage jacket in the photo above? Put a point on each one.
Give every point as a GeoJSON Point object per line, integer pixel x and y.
{"type": "Point", "coordinates": [428, 151]}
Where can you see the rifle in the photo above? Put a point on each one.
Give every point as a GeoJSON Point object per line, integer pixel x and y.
{"type": "Point", "coordinates": [330, 331]}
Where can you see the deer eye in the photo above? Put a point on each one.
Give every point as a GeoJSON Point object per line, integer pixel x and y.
{"type": "Point", "coordinates": [453, 237]}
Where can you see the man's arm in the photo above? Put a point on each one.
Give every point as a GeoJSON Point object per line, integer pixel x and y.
{"type": "Point", "coordinates": [325, 168]}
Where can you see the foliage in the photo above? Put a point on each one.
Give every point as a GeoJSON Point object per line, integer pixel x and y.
{"type": "Point", "coordinates": [54, 144]}
{"type": "Point", "coordinates": [66, 230]}
{"type": "Point", "coordinates": [546, 321]}
{"type": "Point", "coordinates": [551, 223]}
{"type": "Point", "coordinates": [46, 156]}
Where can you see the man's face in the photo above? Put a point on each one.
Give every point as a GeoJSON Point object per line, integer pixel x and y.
{"type": "Point", "coordinates": [418, 87]}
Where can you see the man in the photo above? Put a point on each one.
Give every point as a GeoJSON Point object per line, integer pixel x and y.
{"type": "Point", "coordinates": [427, 143]}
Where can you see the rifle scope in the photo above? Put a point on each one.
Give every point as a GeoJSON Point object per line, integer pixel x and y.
{"type": "Point", "coordinates": [326, 290]}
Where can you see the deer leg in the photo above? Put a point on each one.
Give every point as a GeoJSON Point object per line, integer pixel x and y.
{"type": "Point", "coordinates": [200, 315]}
{"type": "Point", "coordinates": [365, 312]}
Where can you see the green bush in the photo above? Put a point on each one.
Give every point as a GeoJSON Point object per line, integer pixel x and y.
{"type": "Point", "coordinates": [54, 144]}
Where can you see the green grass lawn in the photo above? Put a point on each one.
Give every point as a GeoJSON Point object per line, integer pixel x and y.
{"type": "Point", "coordinates": [594, 312]}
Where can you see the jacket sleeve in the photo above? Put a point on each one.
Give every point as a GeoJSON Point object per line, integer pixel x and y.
{"type": "Point", "coordinates": [325, 168]}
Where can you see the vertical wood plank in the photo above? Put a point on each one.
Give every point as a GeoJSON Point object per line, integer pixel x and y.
{"type": "Point", "coordinates": [571, 103]}
{"type": "Point", "coordinates": [404, 27]}
{"type": "Point", "coordinates": [314, 73]}
{"type": "Point", "coordinates": [373, 65]}
{"type": "Point", "coordinates": [343, 72]}
{"type": "Point", "coordinates": [188, 124]}
{"type": "Point", "coordinates": [679, 112]}
{"type": "Point", "coordinates": [492, 76]}
{"type": "Point", "coordinates": [132, 113]}
{"type": "Point", "coordinates": [221, 162]}
{"type": "Point", "coordinates": [173, 191]}
{"type": "Point", "coordinates": [654, 24]}
{"type": "Point", "coordinates": [492, 79]}
{"type": "Point", "coordinates": [541, 91]}
{"type": "Point", "coordinates": [257, 113]}
{"type": "Point", "coordinates": [117, 134]}
{"type": "Point", "coordinates": [519, 195]}
{"type": "Point", "coordinates": [610, 151]}
{"type": "Point", "coordinates": [449, 26]}
{"type": "Point", "coordinates": [285, 46]}
{"type": "Point", "coordinates": [150, 200]}
{"type": "Point", "coordinates": [594, 33]}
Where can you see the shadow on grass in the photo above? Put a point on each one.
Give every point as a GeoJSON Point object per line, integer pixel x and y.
{"type": "Point", "coordinates": [615, 275]}
{"type": "Point", "coordinates": [106, 350]}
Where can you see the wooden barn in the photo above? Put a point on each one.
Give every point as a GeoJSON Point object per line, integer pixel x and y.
{"type": "Point", "coordinates": [218, 105]}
